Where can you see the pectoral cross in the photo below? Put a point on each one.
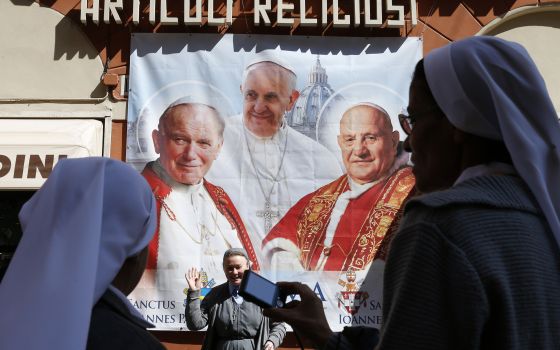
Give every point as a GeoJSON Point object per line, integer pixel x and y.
{"type": "Point", "coordinates": [268, 214]}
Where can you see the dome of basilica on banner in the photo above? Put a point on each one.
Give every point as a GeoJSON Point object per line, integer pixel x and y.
{"type": "Point", "coordinates": [303, 116]}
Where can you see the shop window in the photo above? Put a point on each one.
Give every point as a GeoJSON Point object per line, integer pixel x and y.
{"type": "Point", "coordinates": [10, 228]}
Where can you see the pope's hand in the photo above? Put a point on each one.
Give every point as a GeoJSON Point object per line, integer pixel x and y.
{"type": "Point", "coordinates": [306, 317]}
{"type": "Point", "coordinates": [193, 279]}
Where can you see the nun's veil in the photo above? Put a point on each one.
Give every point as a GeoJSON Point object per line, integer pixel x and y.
{"type": "Point", "coordinates": [78, 229]}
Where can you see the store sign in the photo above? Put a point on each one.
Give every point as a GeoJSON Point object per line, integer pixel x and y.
{"type": "Point", "coordinates": [372, 13]}
{"type": "Point", "coordinates": [37, 165]}
{"type": "Point", "coordinates": [30, 148]}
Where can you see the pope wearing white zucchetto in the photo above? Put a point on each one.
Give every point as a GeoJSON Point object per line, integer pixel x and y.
{"type": "Point", "coordinates": [265, 165]}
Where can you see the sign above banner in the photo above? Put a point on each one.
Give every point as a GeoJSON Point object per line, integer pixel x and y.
{"type": "Point", "coordinates": [372, 13]}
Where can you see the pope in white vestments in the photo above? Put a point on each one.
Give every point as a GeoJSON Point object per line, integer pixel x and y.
{"type": "Point", "coordinates": [197, 221]}
{"type": "Point", "coordinates": [265, 165]}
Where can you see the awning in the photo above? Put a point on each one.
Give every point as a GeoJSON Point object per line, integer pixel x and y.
{"type": "Point", "coordinates": [29, 148]}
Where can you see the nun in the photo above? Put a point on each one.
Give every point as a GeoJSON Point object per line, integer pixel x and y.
{"type": "Point", "coordinates": [83, 249]}
{"type": "Point", "coordinates": [476, 261]}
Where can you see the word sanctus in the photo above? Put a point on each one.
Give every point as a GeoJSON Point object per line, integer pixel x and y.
{"type": "Point", "coordinates": [368, 12]}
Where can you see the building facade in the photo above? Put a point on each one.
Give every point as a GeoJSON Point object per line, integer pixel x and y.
{"type": "Point", "coordinates": [65, 63]}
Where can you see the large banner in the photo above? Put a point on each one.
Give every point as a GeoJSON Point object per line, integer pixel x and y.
{"type": "Point", "coordinates": [287, 146]}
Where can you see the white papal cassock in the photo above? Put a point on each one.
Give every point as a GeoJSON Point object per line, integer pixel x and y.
{"type": "Point", "coordinates": [280, 170]}
{"type": "Point", "coordinates": [193, 231]}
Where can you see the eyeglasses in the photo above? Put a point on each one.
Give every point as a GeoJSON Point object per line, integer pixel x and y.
{"type": "Point", "coordinates": [407, 120]}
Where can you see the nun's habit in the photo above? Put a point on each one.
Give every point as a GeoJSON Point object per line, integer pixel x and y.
{"type": "Point", "coordinates": [78, 229]}
{"type": "Point", "coordinates": [477, 266]}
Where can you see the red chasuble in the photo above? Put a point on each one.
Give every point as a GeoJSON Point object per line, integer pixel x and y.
{"type": "Point", "coordinates": [224, 204]}
{"type": "Point", "coordinates": [363, 231]}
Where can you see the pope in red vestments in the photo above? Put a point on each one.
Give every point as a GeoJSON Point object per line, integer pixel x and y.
{"type": "Point", "coordinates": [348, 223]}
